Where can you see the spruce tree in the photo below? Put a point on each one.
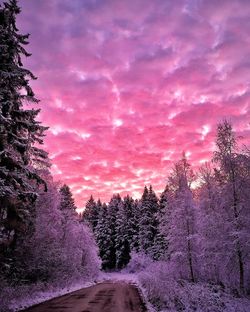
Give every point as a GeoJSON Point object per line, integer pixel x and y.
{"type": "Point", "coordinates": [90, 214]}
{"type": "Point", "coordinates": [148, 220]}
{"type": "Point", "coordinates": [20, 134]}
{"type": "Point", "coordinates": [68, 208]}
{"type": "Point", "coordinates": [102, 235]}
{"type": "Point", "coordinates": [160, 249]}
{"type": "Point", "coordinates": [134, 226]}
{"type": "Point", "coordinates": [112, 217]}
{"type": "Point", "coordinates": [121, 240]}
{"type": "Point", "coordinates": [131, 221]}
{"type": "Point", "coordinates": [67, 200]}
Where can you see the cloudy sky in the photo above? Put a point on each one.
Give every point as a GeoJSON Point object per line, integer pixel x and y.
{"type": "Point", "coordinates": [126, 86]}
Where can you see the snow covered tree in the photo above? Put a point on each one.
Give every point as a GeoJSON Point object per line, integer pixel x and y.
{"type": "Point", "coordinates": [131, 220]}
{"type": "Point", "coordinates": [68, 208]}
{"type": "Point", "coordinates": [56, 253]}
{"type": "Point", "coordinates": [212, 226]}
{"type": "Point", "coordinates": [20, 135]}
{"type": "Point", "coordinates": [67, 200]}
{"type": "Point", "coordinates": [161, 238]}
{"type": "Point", "coordinates": [44, 253]}
{"type": "Point", "coordinates": [234, 178]}
{"type": "Point", "coordinates": [111, 238]}
{"type": "Point", "coordinates": [121, 240]}
{"type": "Point", "coordinates": [103, 236]}
{"type": "Point", "coordinates": [148, 220]}
{"type": "Point", "coordinates": [182, 220]}
{"type": "Point", "coordinates": [133, 224]}
{"type": "Point", "coordinates": [90, 214]}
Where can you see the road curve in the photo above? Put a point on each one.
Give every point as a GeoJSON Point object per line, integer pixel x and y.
{"type": "Point", "coordinates": [103, 297]}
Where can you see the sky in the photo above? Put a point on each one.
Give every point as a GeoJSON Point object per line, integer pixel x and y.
{"type": "Point", "coordinates": [127, 86]}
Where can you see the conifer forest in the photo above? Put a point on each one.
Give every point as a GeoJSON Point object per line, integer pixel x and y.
{"type": "Point", "coordinates": [126, 162]}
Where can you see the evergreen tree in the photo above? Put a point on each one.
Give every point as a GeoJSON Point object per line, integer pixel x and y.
{"type": "Point", "coordinates": [121, 240]}
{"type": "Point", "coordinates": [20, 135]}
{"type": "Point", "coordinates": [112, 217]}
{"type": "Point", "coordinates": [67, 200]}
{"type": "Point", "coordinates": [148, 220]}
{"type": "Point", "coordinates": [90, 214]}
{"type": "Point", "coordinates": [161, 238]}
{"type": "Point", "coordinates": [131, 222]}
{"type": "Point", "coordinates": [102, 235]}
{"type": "Point", "coordinates": [134, 226]}
{"type": "Point", "coordinates": [68, 208]}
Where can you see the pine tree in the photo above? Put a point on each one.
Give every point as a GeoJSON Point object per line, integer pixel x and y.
{"type": "Point", "coordinates": [131, 221]}
{"type": "Point", "coordinates": [67, 200]}
{"type": "Point", "coordinates": [102, 235]}
{"type": "Point", "coordinates": [68, 209]}
{"type": "Point", "coordinates": [122, 245]}
{"type": "Point", "coordinates": [148, 220]}
{"type": "Point", "coordinates": [90, 214]}
{"type": "Point", "coordinates": [20, 134]}
{"type": "Point", "coordinates": [112, 217]}
{"type": "Point", "coordinates": [161, 238]}
{"type": "Point", "coordinates": [98, 207]}
{"type": "Point", "coordinates": [134, 228]}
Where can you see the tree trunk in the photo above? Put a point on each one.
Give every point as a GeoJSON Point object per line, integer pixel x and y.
{"type": "Point", "coordinates": [241, 268]}
{"type": "Point", "coordinates": [238, 247]}
{"type": "Point", "coordinates": [190, 259]}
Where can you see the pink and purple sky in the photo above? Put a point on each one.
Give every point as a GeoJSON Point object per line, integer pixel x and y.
{"type": "Point", "coordinates": [126, 86]}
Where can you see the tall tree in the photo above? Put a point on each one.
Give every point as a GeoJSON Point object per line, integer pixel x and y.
{"type": "Point", "coordinates": [20, 134]}
{"type": "Point", "coordinates": [112, 217]}
{"type": "Point", "coordinates": [212, 226]}
{"type": "Point", "coordinates": [90, 214]}
{"type": "Point", "coordinates": [68, 209]}
{"type": "Point", "coordinates": [161, 238]}
{"type": "Point", "coordinates": [67, 200]}
{"type": "Point", "coordinates": [182, 219]}
{"type": "Point", "coordinates": [133, 224]}
{"type": "Point", "coordinates": [103, 236]}
{"type": "Point", "coordinates": [148, 220]}
{"type": "Point", "coordinates": [234, 178]}
{"type": "Point", "coordinates": [121, 240]}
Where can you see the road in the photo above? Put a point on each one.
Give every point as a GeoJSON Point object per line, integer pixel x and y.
{"type": "Point", "coordinates": [103, 297]}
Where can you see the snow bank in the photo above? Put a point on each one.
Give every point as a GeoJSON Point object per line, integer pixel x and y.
{"type": "Point", "coordinates": [169, 294]}
{"type": "Point", "coordinates": [21, 297]}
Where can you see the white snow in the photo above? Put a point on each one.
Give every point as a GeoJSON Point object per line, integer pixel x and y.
{"type": "Point", "coordinates": [37, 295]}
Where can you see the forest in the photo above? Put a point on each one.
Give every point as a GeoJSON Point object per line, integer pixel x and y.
{"type": "Point", "coordinates": [201, 232]}
{"type": "Point", "coordinates": [189, 248]}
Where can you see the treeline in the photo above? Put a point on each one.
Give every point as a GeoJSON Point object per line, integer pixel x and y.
{"type": "Point", "coordinates": [204, 232]}
{"type": "Point", "coordinates": [41, 238]}
{"type": "Point", "coordinates": [125, 225]}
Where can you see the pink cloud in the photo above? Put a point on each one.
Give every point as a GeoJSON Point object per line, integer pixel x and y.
{"type": "Point", "coordinates": [126, 86]}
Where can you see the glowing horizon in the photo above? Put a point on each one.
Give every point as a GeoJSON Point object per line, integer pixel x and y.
{"type": "Point", "coordinates": [126, 86]}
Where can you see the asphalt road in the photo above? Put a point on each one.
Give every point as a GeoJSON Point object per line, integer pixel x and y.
{"type": "Point", "coordinates": [103, 297]}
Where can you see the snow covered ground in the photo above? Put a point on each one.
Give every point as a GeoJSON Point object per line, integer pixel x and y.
{"type": "Point", "coordinates": [26, 296]}
{"type": "Point", "coordinates": [158, 292]}
{"type": "Point", "coordinates": [168, 294]}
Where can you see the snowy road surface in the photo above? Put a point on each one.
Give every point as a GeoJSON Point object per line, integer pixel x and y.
{"type": "Point", "coordinates": [104, 297]}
